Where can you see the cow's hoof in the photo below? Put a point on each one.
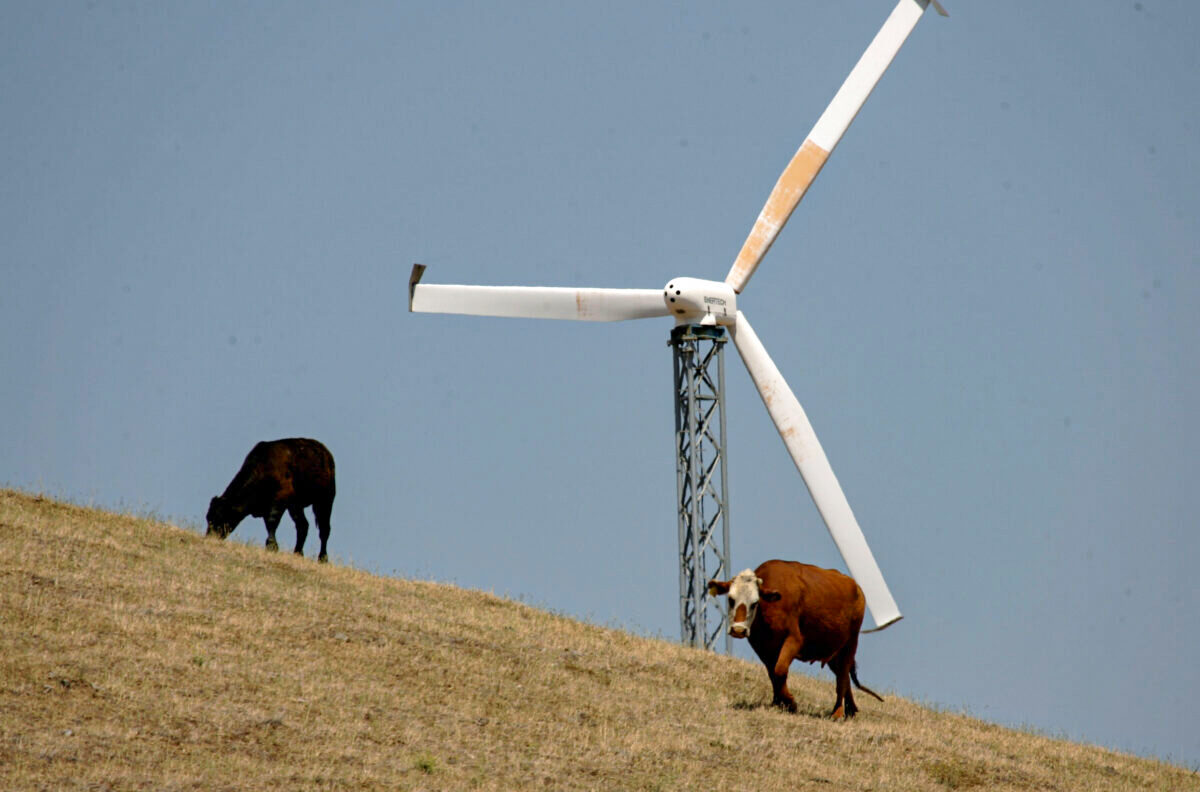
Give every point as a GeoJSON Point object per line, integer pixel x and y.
{"type": "Point", "coordinates": [837, 714]}
{"type": "Point", "coordinates": [323, 558]}
{"type": "Point", "coordinates": [272, 545]}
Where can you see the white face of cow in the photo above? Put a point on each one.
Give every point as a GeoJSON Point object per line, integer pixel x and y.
{"type": "Point", "coordinates": [744, 597]}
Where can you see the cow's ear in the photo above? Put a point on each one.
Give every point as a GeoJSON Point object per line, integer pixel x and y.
{"type": "Point", "coordinates": [718, 587]}
{"type": "Point", "coordinates": [769, 595]}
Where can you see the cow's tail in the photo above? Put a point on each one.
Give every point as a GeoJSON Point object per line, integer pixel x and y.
{"type": "Point", "coordinates": [859, 685]}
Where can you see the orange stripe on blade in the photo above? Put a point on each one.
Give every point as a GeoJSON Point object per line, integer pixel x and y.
{"type": "Point", "coordinates": [790, 188]}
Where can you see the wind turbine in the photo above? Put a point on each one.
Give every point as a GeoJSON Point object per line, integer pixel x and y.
{"type": "Point", "coordinates": [715, 303]}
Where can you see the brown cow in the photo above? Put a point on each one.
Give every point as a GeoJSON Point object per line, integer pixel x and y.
{"type": "Point", "coordinates": [792, 611]}
{"type": "Point", "coordinates": [277, 476]}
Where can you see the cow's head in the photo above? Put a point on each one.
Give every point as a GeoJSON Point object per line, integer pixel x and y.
{"type": "Point", "coordinates": [221, 518]}
{"type": "Point", "coordinates": [745, 592]}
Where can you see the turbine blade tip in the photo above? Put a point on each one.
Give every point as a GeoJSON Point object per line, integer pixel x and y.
{"type": "Point", "coordinates": [885, 625]}
{"type": "Point", "coordinates": [413, 279]}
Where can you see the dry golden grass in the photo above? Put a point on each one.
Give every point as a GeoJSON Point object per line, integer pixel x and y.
{"type": "Point", "coordinates": [138, 655]}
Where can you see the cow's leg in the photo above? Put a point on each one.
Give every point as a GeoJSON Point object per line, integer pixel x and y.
{"type": "Point", "coordinates": [272, 520]}
{"type": "Point", "coordinates": [781, 696]}
{"type": "Point", "coordinates": [787, 653]}
{"type": "Point", "coordinates": [298, 518]}
{"type": "Point", "coordinates": [767, 650]}
{"type": "Point", "coordinates": [321, 511]}
{"type": "Point", "coordinates": [777, 657]}
{"type": "Point", "coordinates": [840, 666]}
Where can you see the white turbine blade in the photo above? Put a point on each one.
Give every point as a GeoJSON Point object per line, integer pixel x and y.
{"type": "Point", "coordinates": [823, 138]}
{"type": "Point", "coordinates": [535, 302]}
{"type": "Point", "coordinates": [540, 302]}
{"type": "Point", "coordinates": [806, 452]}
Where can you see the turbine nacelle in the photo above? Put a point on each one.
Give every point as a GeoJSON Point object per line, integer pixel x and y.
{"type": "Point", "coordinates": [698, 301]}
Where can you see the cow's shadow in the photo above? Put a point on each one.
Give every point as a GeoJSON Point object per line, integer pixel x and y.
{"type": "Point", "coordinates": [803, 709]}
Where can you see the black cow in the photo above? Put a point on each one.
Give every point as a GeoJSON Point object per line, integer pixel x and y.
{"type": "Point", "coordinates": [278, 476]}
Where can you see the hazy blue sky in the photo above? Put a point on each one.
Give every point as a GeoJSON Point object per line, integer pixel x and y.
{"type": "Point", "coordinates": [989, 304]}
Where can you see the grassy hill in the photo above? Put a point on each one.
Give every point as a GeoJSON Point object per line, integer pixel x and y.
{"type": "Point", "coordinates": [138, 655]}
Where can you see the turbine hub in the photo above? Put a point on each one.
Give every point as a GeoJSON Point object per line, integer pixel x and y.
{"type": "Point", "coordinates": [696, 301]}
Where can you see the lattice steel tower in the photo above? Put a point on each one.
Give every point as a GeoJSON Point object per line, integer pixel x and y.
{"type": "Point", "coordinates": [700, 473]}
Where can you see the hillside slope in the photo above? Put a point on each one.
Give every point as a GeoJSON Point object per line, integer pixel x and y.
{"type": "Point", "coordinates": [138, 655]}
